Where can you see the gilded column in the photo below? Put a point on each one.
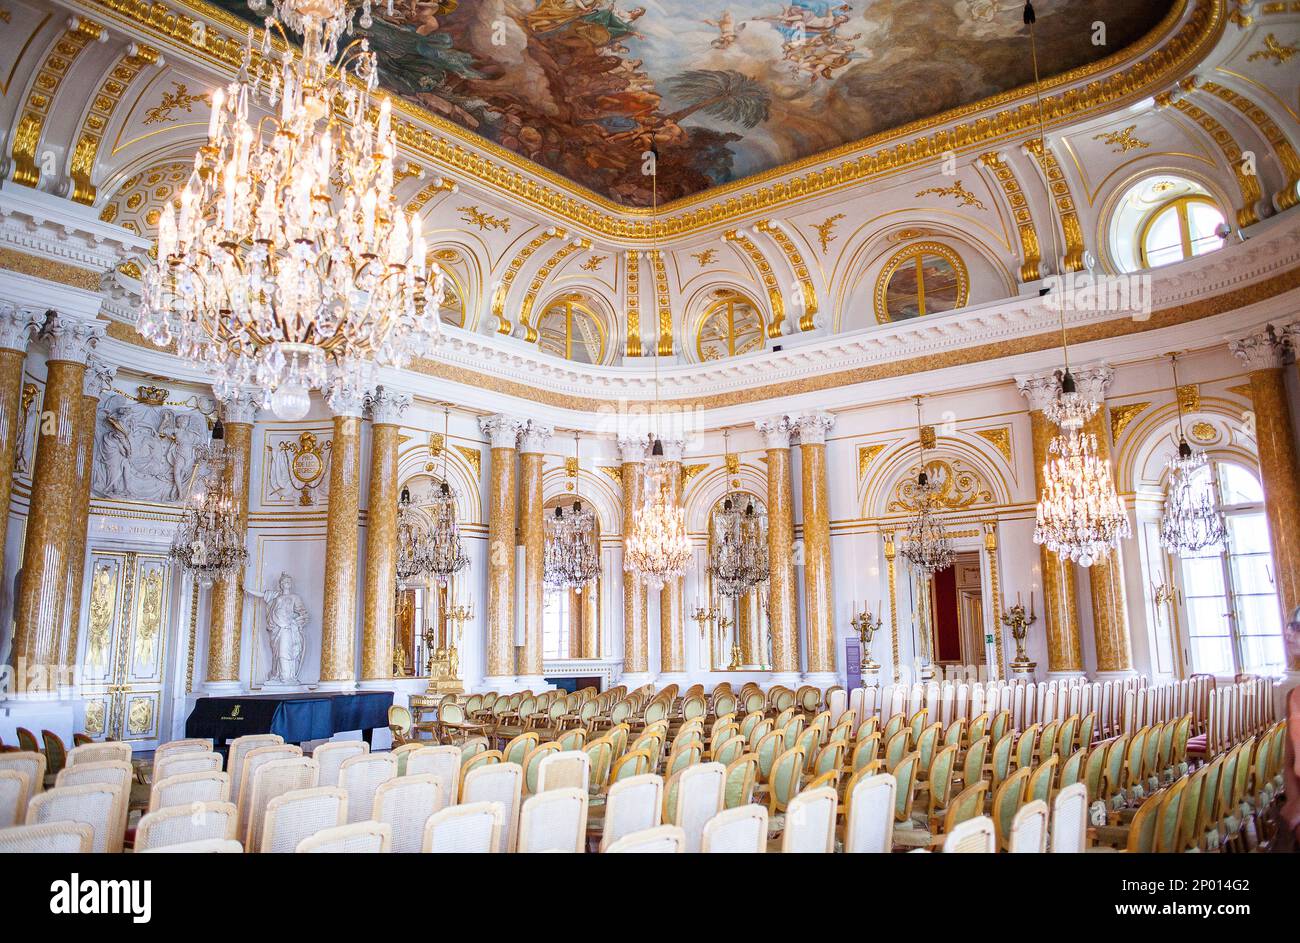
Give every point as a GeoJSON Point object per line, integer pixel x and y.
{"type": "Point", "coordinates": [1060, 605]}
{"type": "Point", "coordinates": [672, 643]}
{"type": "Point", "coordinates": [503, 433]}
{"type": "Point", "coordinates": [379, 603]}
{"type": "Point", "coordinates": [97, 382]}
{"type": "Point", "coordinates": [1110, 626]}
{"type": "Point", "coordinates": [42, 586]}
{"type": "Point", "coordinates": [16, 327]}
{"type": "Point", "coordinates": [783, 604]}
{"type": "Point", "coordinates": [338, 666]}
{"type": "Point", "coordinates": [636, 612]}
{"type": "Point", "coordinates": [818, 597]}
{"type": "Point", "coordinates": [532, 445]}
{"type": "Point", "coordinates": [1278, 469]}
{"type": "Point", "coordinates": [226, 611]}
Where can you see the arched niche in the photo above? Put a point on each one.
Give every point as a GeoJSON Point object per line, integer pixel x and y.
{"type": "Point", "coordinates": [577, 325]}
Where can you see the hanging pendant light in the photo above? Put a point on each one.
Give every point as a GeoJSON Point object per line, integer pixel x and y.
{"type": "Point", "coordinates": [1079, 515]}
{"type": "Point", "coordinates": [1190, 521]}
{"type": "Point", "coordinates": [413, 543]}
{"type": "Point", "coordinates": [658, 548]}
{"type": "Point", "coordinates": [570, 559]}
{"type": "Point", "coordinates": [927, 546]}
{"type": "Point", "coordinates": [447, 555]}
{"type": "Point", "coordinates": [209, 543]}
{"type": "Point", "coordinates": [738, 558]}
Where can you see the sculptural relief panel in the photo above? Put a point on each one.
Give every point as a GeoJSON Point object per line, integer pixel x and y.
{"type": "Point", "coordinates": [145, 452]}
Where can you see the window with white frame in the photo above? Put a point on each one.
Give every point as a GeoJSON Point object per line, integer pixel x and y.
{"type": "Point", "coordinates": [1230, 598]}
{"type": "Point", "coordinates": [555, 624]}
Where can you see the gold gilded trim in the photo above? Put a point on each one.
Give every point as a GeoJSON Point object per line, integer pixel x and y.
{"type": "Point", "coordinates": [471, 455]}
{"type": "Point", "coordinates": [512, 272]}
{"type": "Point", "coordinates": [663, 301]}
{"type": "Point", "coordinates": [428, 192]}
{"type": "Point", "coordinates": [48, 269]}
{"type": "Point", "coordinates": [102, 104]}
{"type": "Point", "coordinates": [866, 455]}
{"type": "Point", "coordinates": [633, 304]}
{"type": "Point", "coordinates": [1287, 197]}
{"type": "Point", "coordinates": [1000, 438]}
{"type": "Point", "coordinates": [764, 267]}
{"type": "Point", "coordinates": [1030, 250]}
{"type": "Point", "coordinates": [1071, 230]}
{"type": "Point", "coordinates": [539, 280]}
{"type": "Point", "coordinates": [800, 268]}
{"type": "Point", "coordinates": [1121, 416]}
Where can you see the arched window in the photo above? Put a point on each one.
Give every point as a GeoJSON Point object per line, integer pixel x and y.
{"type": "Point", "coordinates": [453, 301]}
{"type": "Point", "coordinates": [923, 278]}
{"type": "Point", "coordinates": [1162, 220]}
{"type": "Point", "coordinates": [569, 328]}
{"type": "Point", "coordinates": [732, 325]}
{"type": "Point", "coordinates": [1233, 620]}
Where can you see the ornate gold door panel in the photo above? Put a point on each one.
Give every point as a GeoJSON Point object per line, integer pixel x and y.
{"type": "Point", "coordinates": [124, 664]}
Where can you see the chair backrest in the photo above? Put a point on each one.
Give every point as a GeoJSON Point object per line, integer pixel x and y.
{"type": "Point", "coordinates": [14, 792]}
{"type": "Point", "coordinates": [1001, 761]}
{"type": "Point", "coordinates": [361, 777]}
{"type": "Point", "coordinates": [180, 824]}
{"type": "Point", "coordinates": [115, 773]}
{"type": "Point", "coordinates": [742, 776]}
{"type": "Point", "coordinates": [58, 838]}
{"type": "Point", "coordinates": [870, 823]}
{"type": "Point", "coordinates": [443, 762]}
{"type": "Point", "coordinates": [698, 797]}
{"type": "Point", "coordinates": [240, 747]}
{"type": "Point", "coordinates": [742, 830]}
{"type": "Point", "coordinates": [810, 822]}
{"type": "Point", "coordinates": [406, 803]}
{"type": "Point", "coordinates": [555, 820]}
{"type": "Point", "coordinates": [1007, 801]}
{"type": "Point", "coordinates": [1070, 819]}
{"type": "Point", "coordinates": [519, 747]}
{"type": "Point", "coordinates": [966, 804]}
{"type": "Point", "coordinates": [31, 765]}
{"type": "Point", "coordinates": [202, 846]}
{"type": "Point", "coordinates": [176, 747]}
{"type": "Point", "coordinates": [464, 829]}
{"type": "Point", "coordinates": [331, 757]}
{"type": "Point", "coordinates": [785, 779]}
{"type": "Point", "coordinates": [532, 763]}
{"type": "Point", "coordinates": [268, 781]}
{"type": "Point", "coordinates": [253, 760]}
{"type": "Point", "coordinates": [974, 835]}
{"type": "Point", "coordinates": [563, 769]}
{"type": "Point", "coordinates": [1029, 828]}
{"type": "Point", "coordinates": [186, 762]}
{"type": "Point", "coordinates": [663, 839]}
{"type": "Point", "coordinates": [299, 814]}
{"type": "Point", "coordinates": [502, 783]}
{"type": "Point", "coordinates": [905, 777]}
{"type": "Point", "coordinates": [632, 805]}
{"type": "Point", "coordinates": [358, 838]}
{"type": "Point", "coordinates": [111, 751]}
{"type": "Point", "coordinates": [187, 788]}
{"type": "Point", "coordinates": [896, 748]}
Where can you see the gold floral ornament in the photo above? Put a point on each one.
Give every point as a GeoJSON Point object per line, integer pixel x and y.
{"type": "Point", "coordinates": [958, 192]}
{"type": "Point", "coordinates": [179, 99]}
{"type": "Point", "coordinates": [1121, 142]}
{"type": "Point", "coordinates": [1279, 53]}
{"type": "Point", "coordinates": [484, 221]}
{"type": "Point", "coordinates": [826, 231]}
{"type": "Point", "coordinates": [955, 488]}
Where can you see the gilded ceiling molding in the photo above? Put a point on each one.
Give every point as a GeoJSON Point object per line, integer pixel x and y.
{"type": "Point", "coordinates": [663, 300]}
{"type": "Point", "coordinates": [539, 279]}
{"type": "Point", "coordinates": [512, 272]}
{"type": "Point", "coordinates": [776, 322]}
{"type": "Point", "coordinates": [51, 270]}
{"type": "Point", "coordinates": [1121, 416]}
{"type": "Point", "coordinates": [428, 192]}
{"type": "Point", "coordinates": [1000, 438]}
{"type": "Point", "coordinates": [1030, 250]}
{"type": "Point", "coordinates": [41, 94]}
{"type": "Point", "coordinates": [1247, 183]}
{"type": "Point", "coordinates": [1287, 197]}
{"type": "Point", "coordinates": [633, 303]}
{"type": "Point", "coordinates": [1154, 62]}
{"type": "Point", "coordinates": [1071, 230]}
{"type": "Point", "coordinates": [866, 455]}
{"type": "Point", "coordinates": [102, 104]}
{"type": "Point", "coordinates": [471, 455]}
{"type": "Point", "coordinates": [798, 266]}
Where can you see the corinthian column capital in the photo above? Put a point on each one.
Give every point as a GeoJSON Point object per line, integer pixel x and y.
{"type": "Point", "coordinates": [71, 339]}
{"type": "Point", "coordinates": [775, 431]}
{"type": "Point", "coordinates": [632, 450]}
{"type": "Point", "coordinates": [1093, 380]}
{"type": "Point", "coordinates": [345, 401]}
{"type": "Point", "coordinates": [16, 326]}
{"type": "Point", "coordinates": [1040, 389]}
{"type": "Point", "coordinates": [673, 449]}
{"type": "Point", "coordinates": [813, 427]}
{"type": "Point", "coordinates": [1258, 351]}
{"type": "Point", "coordinates": [241, 406]}
{"type": "Point", "coordinates": [534, 436]}
{"type": "Point", "coordinates": [502, 431]}
{"type": "Point", "coordinates": [387, 407]}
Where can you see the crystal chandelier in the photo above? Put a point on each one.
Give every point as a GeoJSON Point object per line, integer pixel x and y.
{"type": "Point", "coordinates": [1190, 521]}
{"type": "Point", "coordinates": [658, 549]}
{"type": "Point", "coordinates": [927, 546]}
{"type": "Point", "coordinates": [414, 543]}
{"type": "Point", "coordinates": [290, 264]}
{"type": "Point", "coordinates": [570, 559]}
{"type": "Point", "coordinates": [738, 556]}
{"type": "Point", "coordinates": [447, 555]}
{"type": "Point", "coordinates": [209, 543]}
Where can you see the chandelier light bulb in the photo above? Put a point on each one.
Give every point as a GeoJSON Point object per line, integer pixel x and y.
{"type": "Point", "coordinates": [658, 549]}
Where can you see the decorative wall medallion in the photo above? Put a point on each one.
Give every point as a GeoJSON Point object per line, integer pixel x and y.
{"type": "Point", "coordinates": [150, 395]}
{"type": "Point", "coordinates": [300, 465]}
{"type": "Point", "coordinates": [1000, 438]}
{"type": "Point", "coordinates": [958, 487]}
{"type": "Point", "coordinates": [928, 438]}
{"type": "Point", "coordinates": [866, 455]}
{"type": "Point", "coordinates": [435, 444]}
{"type": "Point", "coordinates": [1204, 432]}
{"type": "Point", "coordinates": [705, 257]}
{"type": "Point", "coordinates": [1121, 416]}
{"type": "Point", "coordinates": [1189, 397]}
{"type": "Point", "coordinates": [139, 718]}
{"type": "Point", "coordinates": [733, 464]}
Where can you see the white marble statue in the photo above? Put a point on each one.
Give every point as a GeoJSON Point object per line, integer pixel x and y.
{"type": "Point", "coordinates": [286, 623]}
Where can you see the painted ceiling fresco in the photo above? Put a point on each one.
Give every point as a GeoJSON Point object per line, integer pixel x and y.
{"type": "Point", "coordinates": [722, 88]}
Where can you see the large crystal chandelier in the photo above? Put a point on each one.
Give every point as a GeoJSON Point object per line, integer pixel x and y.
{"type": "Point", "coordinates": [447, 555]}
{"type": "Point", "coordinates": [290, 264]}
{"type": "Point", "coordinates": [658, 549]}
{"type": "Point", "coordinates": [570, 559]}
{"type": "Point", "coordinates": [927, 546]}
{"type": "Point", "coordinates": [1190, 521]}
{"type": "Point", "coordinates": [414, 539]}
{"type": "Point", "coordinates": [738, 554]}
{"type": "Point", "coordinates": [209, 543]}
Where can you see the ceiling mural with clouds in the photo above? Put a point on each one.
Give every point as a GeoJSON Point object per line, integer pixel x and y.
{"type": "Point", "coordinates": [723, 88]}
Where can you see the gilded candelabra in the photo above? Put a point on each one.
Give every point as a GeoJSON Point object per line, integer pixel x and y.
{"type": "Point", "coordinates": [444, 661]}
{"type": "Point", "coordinates": [1019, 622]}
{"type": "Point", "coordinates": [867, 625]}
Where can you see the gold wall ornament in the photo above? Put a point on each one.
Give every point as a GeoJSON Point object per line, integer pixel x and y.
{"type": "Point", "coordinates": [612, 472]}
{"type": "Point", "coordinates": [826, 230]}
{"type": "Point", "coordinates": [1121, 416]}
{"type": "Point", "coordinates": [733, 463]}
{"type": "Point", "coordinates": [102, 105]}
{"type": "Point", "coordinates": [1030, 250]}
{"type": "Point", "coordinates": [139, 719]}
{"type": "Point", "coordinates": [690, 471]}
{"type": "Point", "coordinates": [663, 301]}
{"type": "Point", "coordinates": [306, 461]}
{"type": "Point", "coordinates": [40, 97]}
{"type": "Point", "coordinates": [103, 603]}
{"type": "Point", "coordinates": [539, 280]}
{"type": "Point", "coordinates": [1189, 397]}
{"type": "Point", "coordinates": [866, 455]}
{"type": "Point", "coordinates": [50, 270]}
{"type": "Point", "coordinates": [800, 269]}
{"type": "Point", "coordinates": [179, 98]}
{"type": "Point", "coordinates": [705, 257]}
{"type": "Point", "coordinates": [512, 272]}
{"type": "Point", "coordinates": [484, 221]}
{"type": "Point", "coordinates": [150, 395]}
{"type": "Point", "coordinates": [1000, 438]}
{"type": "Point", "coordinates": [1123, 141]}
{"type": "Point", "coordinates": [428, 192]}
{"type": "Point", "coordinates": [473, 456]}
{"type": "Point", "coordinates": [409, 170]}
{"type": "Point", "coordinates": [1243, 390]}
{"type": "Point", "coordinates": [1275, 51]}
{"type": "Point", "coordinates": [891, 556]}
{"type": "Point", "coordinates": [928, 437]}
{"type": "Point", "coordinates": [1204, 432]}
{"type": "Point", "coordinates": [571, 466]}
{"type": "Point", "coordinates": [149, 621]}
{"type": "Point", "coordinates": [1071, 230]}
{"type": "Point", "coordinates": [1286, 154]}
{"type": "Point", "coordinates": [436, 444]}
{"type": "Point", "coordinates": [633, 303]}
{"type": "Point", "coordinates": [958, 192]}
{"type": "Point", "coordinates": [95, 717]}
{"type": "Point", "coordinates": [956, 488]}
{"type": "Point", "coordinates": [594, 263]}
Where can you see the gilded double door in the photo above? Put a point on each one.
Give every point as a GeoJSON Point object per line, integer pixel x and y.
{"type": "Point", "coordinates": [123, 662]}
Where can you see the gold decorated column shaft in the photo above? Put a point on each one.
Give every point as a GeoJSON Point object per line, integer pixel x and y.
{"type": "Point", "coordinates": [339, 613]}
{"type": "Point", "coordinates": [1060, 604]}
{"type": "Point", "coordinates": [16, 327]}
{"type": "Point", "coordinates": [503, 433]}
{"type": "Point", "coordinates": [636, 612]}
{"type": "Point", "coordinates": [532, 535]}
{"type": "Point", "coordinates": [42, 591]}
{"type": "Point", "coordinates": [1110, 626]}
{"type": "Point", "coordinates": [672, 643]}
{"type": "Point", "coordinates": [226, 609]}
{"type": "Point", "coordinates": [818, 595]}
{"type": "Point", "coordinates": [783, 602]}
{"type": "Point", "coordinates": [98, 380]}
{"type": "Point", "coordinates": [1278, 469]}
{"type": "Point", "coordinates": [379, 603]}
